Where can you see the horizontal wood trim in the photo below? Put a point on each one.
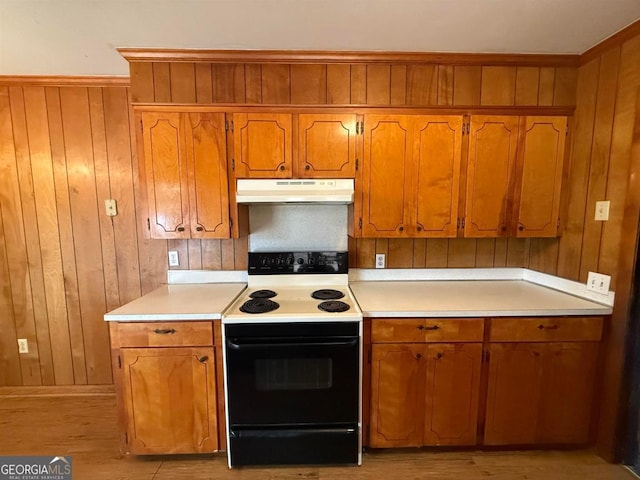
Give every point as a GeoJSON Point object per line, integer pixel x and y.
{"type": "Point", "coordinates": [310, 56]}
{"type": "Point", "coordinates": [350, 108]}
{"type": "Point", "coordinates": [57, 390]}
{"type": "Point", "coordinates": [65, 81]}
{"type": "Point", "coordinates": [614, 40]}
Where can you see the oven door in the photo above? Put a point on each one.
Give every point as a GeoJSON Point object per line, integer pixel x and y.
{"type": "Point", "coordinates": [293, 374]}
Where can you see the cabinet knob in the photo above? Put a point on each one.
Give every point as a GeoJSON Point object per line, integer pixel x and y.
{"type": "Point", "coordinates": [307, 167]}
{"type": "Point", "coordinates": [180, 229]}
{"type": "Point", "coordinates": [418, 356]}
{"type": "Point", "coordinates": [282, 168]}
{"type": "Point", "coordinates": [203, 359]}
{"type": "Point", "coordinates": [199, 228]}
{"type": "Point", "coordinates": [401, 228]}
{"type": "Point", "coordinates": [439, 355]}
{"type": "Point", "coordinates": [419, 228]}
{"type": "Point", "coordinates": [165, 331]}
{"type": "Point", "coordinates": [520, 227]}
{"type": "Point", "coordinates": [503, 228]}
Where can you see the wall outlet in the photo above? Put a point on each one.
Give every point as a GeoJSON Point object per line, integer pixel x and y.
{"type": "Point", "coordinates": [174, 261]}
{"type": "Point", "coordinates": [110, 207]}
{"type": "Point", "coordinates": [23, 345]}
{"type": "Point", "coordinates": [602, 210]}
{"type": "Point", "coordinates": [598, 282]}
{"type": "Point", "coordinates": [380, 260]}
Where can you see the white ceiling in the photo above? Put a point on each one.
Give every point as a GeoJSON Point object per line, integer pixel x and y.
{"type": "Point", "coordinates": [80, 37]}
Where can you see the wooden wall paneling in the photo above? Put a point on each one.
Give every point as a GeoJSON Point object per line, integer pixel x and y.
{"type": "Point", "coordinates": [338, 84]}
{"type": "Point", "coordinates": [121, 183]}
{"type": "Point", "coordinates": [240, 249]}
{"type": "Point", "coordinates": [228, 83]}
{"type": "Point", "coordinates": [543, 255]}
{"type": "Point", "coordinates": [47, 228]}
{"type": "Point", "coordinates": [79, 153]}
{"type": "Point", "coordinates": [437, 252]}
{"type": "Point", "coordinates": [366, 251]}
{"type": "Point", "coordinates": [309, 84]}
{"type": "Point", "coordinates": [194, 252]}
{"type": "Point", "coordinates": [382, 246]}
{"type": "Point", "coordinates": [461, 253]}
{"type": "Point", "coordinates": [10, 371]}
{"type": "Point", "coordinates": [141, 75]}
{"type": "Point", "coordinates": [161, 83]}
{"type": "Point", "coordinates": [378, 84]}
{"type": "Point", "coordinates": [599, 164]}
{"type": "Point", "coordinates": [500, 252]}
{"type": "Point", "coordinates": [358, 84]}
{"type": "Point", "coordinates": [518, 252]}
{"type": "Point", "coordinates": [564, 90]}
{"type": "Point", "coordinates": [228, 254]}
{"type": "Point", "coordinates": [422, 85]}
{"type": "Point", "coordinates": [467, 85]}
{"type": "Point", "coordinates": [33, 258]}
{"type": "Point", "coordinates": [446, 77]}
{"type": "Point", "coordinates": [398, 94]}
{"type": "Point", "coordinates": [527, 85]}
{"type": "Point", "coordinates": [65, 231]}
{"type": "Point", "coordinates": [182, 247]}
{"type": "Point", "coordinates": [485, 252]}
{"type": "Point", "coordinates": [352, 249]}
{"type": "Point", "coordinates": [276, 84]}
{"type": "Point", "coordinates": [183, 82]}
{"type": "Point", "coordinates": [619, 160]}
{"type": "Point", "coordinates": [400, 253]}
{"type": "Point", "coordinates": [571, 240]}
{"type": "Point", "coordinates": [253, 83]}
{"type": "Point", "coordinates": [419, 252]}
{"type": "Point", "coordinates": [103, 192]}
{"type": "Point", "coordinates": [498, 86]}
{"type": "Point", "coordinates": [546, 86]}
{"type": "Point", "coordinates": [211, 254]}
{"type": "Point", "coordinates": [204, 83]}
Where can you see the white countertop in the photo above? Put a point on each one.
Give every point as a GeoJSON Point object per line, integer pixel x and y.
{"type": "Point", "coordinates": [204, 301]}
{"type": "Point", "coordinates": [468, 298]}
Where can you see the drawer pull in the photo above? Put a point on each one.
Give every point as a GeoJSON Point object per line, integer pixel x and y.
{"type": "Point", "coordinates": [547, 327]}
{"type": "Point", "coordinates": [203, 359]}
{"type": "Point", "coordinates": [165, 331]}
{"type": "Point", "coordinates": [433, 327]}
{"type": "Point", "coordinates": [439, 355]}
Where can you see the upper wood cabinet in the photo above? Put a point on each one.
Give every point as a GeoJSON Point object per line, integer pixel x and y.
{"type": "Point", "coordinates": [410, 176]}
{"type": "Point", "coordinates": [262, 145]}
{"type": "Point", "coordinates": [185, 171]}
{"type": "Point", "coordinates": [514, 176]}
{"type": "Point", "coordinates": [327, 145]}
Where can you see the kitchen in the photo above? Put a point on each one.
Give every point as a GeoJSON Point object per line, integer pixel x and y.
{"type": "Point", "coordinates": [83, 263]}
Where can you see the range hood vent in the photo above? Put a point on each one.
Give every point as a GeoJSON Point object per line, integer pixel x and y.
{"type": "Point", "coordinates": [322, 191]}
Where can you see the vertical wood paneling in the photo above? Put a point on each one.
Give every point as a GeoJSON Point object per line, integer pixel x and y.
{"type": "Point", "coordinates": [240, 249]}
{"type": "Point", "coordinates": [253, 83]}
{"type": "Point", "coordinates": [204, 83]}
{"type": "Point", "coordinates": [161, 82]}
{"type": "Point", "coordinates": [228, 83]}
{"type": "Point", "coordinates": [358, 84]}
{"type": "Point", "coordinates": [546, 86]}
{"type": "Point", "coordinates": [467, 85]}
{"type": "Point", "coordinates": [527, 84]}
{"type": "Point", "coordinates": [517, 252]}
{"type": "Point", "coordinates": [366, 252]}
{"type": "Point", "coordinates": [422, 85]}
{"type": "Point", "coordinates": [498, 86]}
{"type": "Point", "coordinates": [419, 252]}
{"type": "Point", "coordinates": [543, 255]}
{"type": "Point", "coordinates": [308, 84]}
{"type": "Point", "coordinates": [338, 84]}
{"type": "Point", "coordinates": [398, 84]}
{"type": "Point", "coordinates": [500, 252]}
{"type": "Point", "coordinates": [378, 84]}
{"type": "Point", "coordinates": [276, 84]}
{"type": "Point", "coordinates": [461, 253]}
{"type": "Point", "coordinates": [564, 90]}
{"type": "Point", "coordinates": [400, 253]}
{"type": "Point", "coordinates": [211, 254]}
{"type": "Point", "coordinates": [437, 252]}
{"type": "Point", "coordinates": [228, 254]}
{"type": "Point", "coordinates": [141, 74]}
{"type": "Point", "coordinates": [183, 82]}
{"type": "Point", "coordinates": [485, 252]}
{"type": "Point", "coordinates": [446, 77]}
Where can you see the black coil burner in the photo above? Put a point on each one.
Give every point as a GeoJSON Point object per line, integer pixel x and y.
{"type": "Point", "coordinates": [262, 294]}
{"type": "Point", "coordinates": [259, 305]}
{"type": "Point", "coordinates": [333, 306]}
{"type": "Point", "coordinates": [327, 294]}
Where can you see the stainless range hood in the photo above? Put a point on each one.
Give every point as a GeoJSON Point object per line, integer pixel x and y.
{"type": "Point", "coordinates": [306, 191]}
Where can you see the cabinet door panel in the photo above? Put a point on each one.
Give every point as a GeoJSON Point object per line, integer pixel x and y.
{"type": "Point", "coordinates": [170, 400]}
{"type": "Point", "coordinates": [492, 153]}
{"type": "Point", "coordinates": [262, 145]}
{"type": "Point", "coordinates": [540, 164]}
{"type": "Point", "coordinates": [567, 392]}
{"type": "Point", "coordinates": [513, 395]}
{"type": "Point", "coordinates": [397, 392]}
{"type": "Point", "coordinates": [327, 146]}
{"type": "Point", "coordinates": [452, 394]}
{"type": "Point", "coordinates": [387, 155]}
{"type": "Point", "coordinates": [207, 166]}
{"type": "Point", "coordinates": [437, 155]}
{"type": "Point", "coordinates": [165, 175]}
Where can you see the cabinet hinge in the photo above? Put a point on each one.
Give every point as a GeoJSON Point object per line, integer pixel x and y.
{"type": "Point", "coordinates": [462, 226]}
{"type": "Point", "coordinates": [233, 164]}
{"type": "Point", "coordinates": [357, 163]}
{"type": "Point", "coordinates": [362, 127]}
{"type": "Point", "coordinates": [119, 362]}
{"type": "Point", "coordinates": [558, 225]}
{"type": "Point", "coordinates": [232, 125]}
{"type": "Point", "coordinates": [360, 223]}
{"type": "Point", "coordinates": [226, 125]}
{"type": "Point", "coordinates": [485, 355]}
{"type": "Point", "coordinates": [148, 224]}
{"type": "Point", "coordinates": [357, 128]}
{"type": "Point", "coordinates": [126, 438]}
{"type": "Point", "coordinates": [231, 223]}
{"type": "Point", "coordinates": [141, 127]}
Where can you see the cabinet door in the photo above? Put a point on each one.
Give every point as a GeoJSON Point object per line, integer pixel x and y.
{"type": "Point", "coordinates": [539, 176]}
{"type": "Point", "coordinates": [513, 395]}
{"type": "Point", "coordinates": [567, 392]}
{"type": "Point", "coordinates": [388, 144]}
{"type": "Point", "coordinates": [492, 154]}
{"type": "Point", "coordinates": [169, 397]}
{"type": "Point", "coordinates": [262, 145]}
{"type": "Point", "coordinates": [452, 393]}
{"type": "Point", "coordinates": [327, 146]}
{"type": "Point", "coordinates": [207, 166]}
{"type": "Point", "coordinates": [436, 178]}
{"type": "Point", "coordinates": [397, 395]}
{"type": "Point", "coordinates": [165, 175]}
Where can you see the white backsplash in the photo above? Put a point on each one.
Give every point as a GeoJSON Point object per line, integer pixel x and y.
{"type": "Point", "coordinates": [297, 227]}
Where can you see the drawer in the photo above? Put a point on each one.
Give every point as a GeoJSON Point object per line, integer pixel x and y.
{"type": "Point", "coordinates": [546, 329]}
{"type": "Point", "coordinates": [165, 334]}
{"type": "Point", "coordinates": [427, 330]}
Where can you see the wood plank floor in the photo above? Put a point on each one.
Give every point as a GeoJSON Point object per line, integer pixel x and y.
{"type": "Point", "coordinates": [85, 427]}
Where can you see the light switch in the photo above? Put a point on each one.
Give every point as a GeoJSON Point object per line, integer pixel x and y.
{"type": "Point", "coordinates": [110, 207]}
{"type": "Point", "coordinates": [602, 210]}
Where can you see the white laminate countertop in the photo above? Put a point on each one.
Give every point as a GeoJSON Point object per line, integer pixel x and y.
{"type": "Point", "coordinates": [204, 301]}
{"type": "Point", "coordinates": [468, 298]}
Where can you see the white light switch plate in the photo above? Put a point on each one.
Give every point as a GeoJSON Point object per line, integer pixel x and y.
{"type": "Point", "coordinates": [110, 207]}
{"type": "Point", "coordinates": [173, 258]}
{"type": "Point", "coordinates": [598, 282]}
{"type": "Point", "coordinates": [380, 260]}
{"type": "Point", "coordinates": [602, 210]}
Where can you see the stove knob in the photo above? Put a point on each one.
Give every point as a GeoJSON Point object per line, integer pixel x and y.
{"type": "Point", "coordinates": [300, 261]}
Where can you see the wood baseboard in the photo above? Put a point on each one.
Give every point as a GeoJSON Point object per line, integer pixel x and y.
{"type": "Point", "coordinates": [57, 390]}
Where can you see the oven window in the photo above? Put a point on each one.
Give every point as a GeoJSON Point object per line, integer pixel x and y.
{"type": "Point", "coordinates": [293, 374]}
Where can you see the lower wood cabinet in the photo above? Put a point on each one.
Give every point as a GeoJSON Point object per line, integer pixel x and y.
{"type": "Point", "coordinates": [167, 391]}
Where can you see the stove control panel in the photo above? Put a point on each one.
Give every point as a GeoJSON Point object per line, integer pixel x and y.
{"type": "Point", "coordinates": [274, 263]}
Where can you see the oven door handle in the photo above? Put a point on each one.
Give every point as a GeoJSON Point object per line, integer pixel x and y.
{"type": "Point", "coordinates": [236, 345]}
